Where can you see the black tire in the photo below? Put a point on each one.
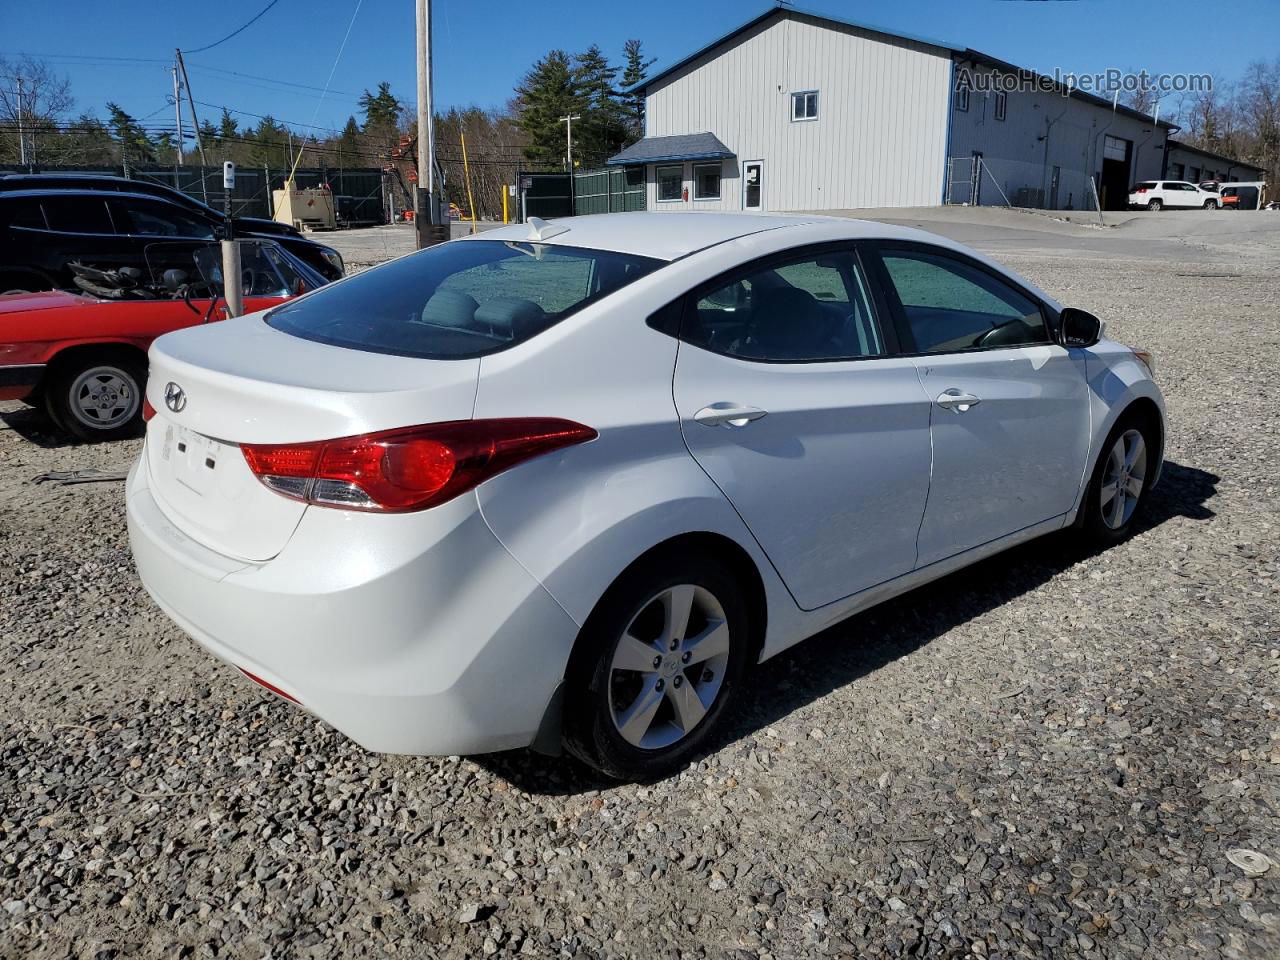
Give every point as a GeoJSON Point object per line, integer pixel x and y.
{"type": "Point", "coordinates": [1155, 206]}
{"type": "Point", "coordinates": [121, 379]}
{"type": "Point", "coordinates": [1097, 521]}
{"type": "Point", "coordinates": [593, 686]}
{"type": "Point", "coordinates": [1211, 204]}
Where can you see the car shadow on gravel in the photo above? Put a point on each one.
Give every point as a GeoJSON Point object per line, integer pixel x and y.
{"type": "Point", "coordinates": [34, 425]}
{"type": "Point", "coordinates": [862, 644]}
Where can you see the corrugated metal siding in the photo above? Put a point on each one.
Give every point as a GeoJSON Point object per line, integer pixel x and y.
{"type": "Point", "coordinates": [880, 136]}
{"type": "Point", "coordinates": [1017, 156]}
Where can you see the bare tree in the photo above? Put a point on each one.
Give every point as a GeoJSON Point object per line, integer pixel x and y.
{"type": "Point", "coordinates": [33, 98]}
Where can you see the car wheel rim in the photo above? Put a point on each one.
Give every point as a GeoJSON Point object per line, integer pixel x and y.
{"type": "Point", "coordinates": [1124, 479]}
{"type": "Point", "coordinates": [104, 397]}
{"type": "Point", "coordinates": [668, 667]}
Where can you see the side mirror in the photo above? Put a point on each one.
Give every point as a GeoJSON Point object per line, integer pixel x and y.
{"type": "Point", "coordinates": [1078, 328]}
{"type": "Point", "coordinates": [174, 279]}
{"type": "Point", "coordinates": [299, 287]}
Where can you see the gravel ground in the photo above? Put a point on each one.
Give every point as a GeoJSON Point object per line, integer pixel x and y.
{"type": "Point", "coordinates": [1051, 754]}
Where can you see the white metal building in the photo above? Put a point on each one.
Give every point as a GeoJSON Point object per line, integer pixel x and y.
{"type": "Point", "coordinates": [796, 110]}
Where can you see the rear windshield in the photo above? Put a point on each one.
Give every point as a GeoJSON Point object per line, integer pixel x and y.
{"type": "Point", "coordinates": [459, 300]}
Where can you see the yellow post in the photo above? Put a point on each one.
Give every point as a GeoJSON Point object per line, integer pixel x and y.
{"type": "Point", "coordinates": [466, 172]}
{"type": "Point", "coordinates": [505, 191]}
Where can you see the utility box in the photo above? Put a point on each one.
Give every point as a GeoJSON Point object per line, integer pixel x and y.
{"type": "Point", "coordinates": [307, 208]}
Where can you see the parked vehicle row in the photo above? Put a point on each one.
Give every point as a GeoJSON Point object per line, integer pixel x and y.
{"type": "Point", "coordinates": [48, 221]}
{"type": "Point", "coordinates": [580, 476]}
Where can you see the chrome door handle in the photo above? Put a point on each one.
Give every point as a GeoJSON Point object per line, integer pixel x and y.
{"type": "Point", "coordinates": [957, 402]}
{"type": "Point", "coordinates": [725, 414]}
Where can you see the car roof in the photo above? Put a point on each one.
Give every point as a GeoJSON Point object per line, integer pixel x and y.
{"type": "Point", "coordinates": [43, 194]}
{"type": "Point", "coordinates": [669, 236]}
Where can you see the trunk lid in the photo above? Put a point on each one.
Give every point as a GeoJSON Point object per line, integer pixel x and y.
{"type": "Point", "coordinates": [240, 381]}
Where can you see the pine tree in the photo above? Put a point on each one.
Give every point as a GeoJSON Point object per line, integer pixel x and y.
{"type": "Point", "coordinates": [135, 145]}
{"type": "Point", "coordinates": [381, 109]}
{"type": "Point", "coordinates": [602, 131]}
{"type": "Point", "coordinates": [548, 92]}
{"type": "Point", "coordinates": [349, 143]}
{"type": "Point", "coordinates": [634, 71]}
{"type": "Point", "coordinates": [228, 132]}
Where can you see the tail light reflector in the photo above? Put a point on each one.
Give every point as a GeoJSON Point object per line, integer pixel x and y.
{"type": "Point", "coordinates": [410, 468]}
{"type": "Point", "coordinates": [148, 411]}
{"type": "Point", "coordinates": [270, 686]}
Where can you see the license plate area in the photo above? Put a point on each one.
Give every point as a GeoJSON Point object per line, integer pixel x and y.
{"type": "Point", "coordinates": [194, 458]}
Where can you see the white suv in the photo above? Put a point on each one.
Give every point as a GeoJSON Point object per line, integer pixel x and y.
{"type": "Point", "coordinates": [1158, 194]}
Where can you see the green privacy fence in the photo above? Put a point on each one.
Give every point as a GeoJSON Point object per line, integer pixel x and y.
{"type": "Point", "coordinates": [608, 190]}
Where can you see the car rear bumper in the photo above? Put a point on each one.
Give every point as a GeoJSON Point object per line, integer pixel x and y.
{"type": "Point", "coordinates": [422, 636]}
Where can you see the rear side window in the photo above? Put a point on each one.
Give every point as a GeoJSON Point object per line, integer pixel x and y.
{"type": "Point", "coordinates": [152, 219]}
{"type": "Point", "coordinates": [809, 309]}
{"type": "Point", "coordinates": [73, 214]}
{"type": "Point", "coordinates": [458, 300]}
{"type": "Point", "coordinates": [951, 305]}
{"type": "Point", "coordinates": [1146, 185]}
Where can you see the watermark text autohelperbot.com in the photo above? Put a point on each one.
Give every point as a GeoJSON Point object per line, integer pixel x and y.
{"type": "Point", "coordinates": [1104, 83]}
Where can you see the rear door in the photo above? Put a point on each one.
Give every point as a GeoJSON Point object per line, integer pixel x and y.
{"type": "Point", "coordinates": [1009, 408]}
{"type": "Point", "coordinates": [792, 402]}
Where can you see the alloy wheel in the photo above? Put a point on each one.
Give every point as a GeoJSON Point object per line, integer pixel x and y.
{"type": "Point", "coordinates": [668, 666]}
{"type": "Point", "coordinates": [1124, 480]}
{"type": "Point", "coordinates": [103, 397]}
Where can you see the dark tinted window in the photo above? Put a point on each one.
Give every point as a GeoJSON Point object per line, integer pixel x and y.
{"type": "Point", "coordinates": [24, 213]}
{"type": "Point", "coordinates": [814, 308]}
{"type": "Point", "coordinates": [460, 299]}
{"type": "Point", "coordinates": [1145, 185]}
{"type": "Point", "coordinates": [952, 305]}
{"type": "Point", "coordinates": [154, 219]}
{"type": "Point", "coordinates": [77, 214]}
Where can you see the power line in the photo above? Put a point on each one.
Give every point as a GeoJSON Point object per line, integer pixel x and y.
{"type": "Point", "coordinates": [270, 80]}
{"type": "Point", "coordinates": [237, 31]}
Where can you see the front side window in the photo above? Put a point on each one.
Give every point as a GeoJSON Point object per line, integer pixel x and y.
{"type": "Point", "coordinates": [706, 181]}
{"type": "Point", "coordinates": [804, 105]}
{"type": "Point", "coordinates": [72, 214]}
{"type": "Point", "coordinates": [952, 305]}
{"type": "Point", "coordinates": [811, 308]}
{"type": "Point", "coordinates": [456, 300]}
{"type": "Point", "coordinates": [670, 183]}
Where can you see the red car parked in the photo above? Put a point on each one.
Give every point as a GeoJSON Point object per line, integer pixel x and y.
{"type": "Point", "coordinates": [85, 357]}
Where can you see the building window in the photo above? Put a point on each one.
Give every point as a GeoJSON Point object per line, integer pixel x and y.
{"type": "Point", "coordinates": [804, 105]}
{"type": "Point", "coordinates": [962, 98]}
{"type": "Point", "coordinates": [1002, 105]}
{"type": "Point", "coordinates": [670, 183]}
{"type": "Point", "coordinates": [706, 181]}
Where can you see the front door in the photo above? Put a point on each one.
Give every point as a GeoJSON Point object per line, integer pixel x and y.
{"type": "Point", "coordinates": [790, 401]}
{"type": "Point", "coordinates": [753, 185]}
{"type": "Point", "coordinates": [1010, 409]}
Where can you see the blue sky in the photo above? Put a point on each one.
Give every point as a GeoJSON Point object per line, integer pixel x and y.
{"type": "Point", "coordinates": [484, 46]}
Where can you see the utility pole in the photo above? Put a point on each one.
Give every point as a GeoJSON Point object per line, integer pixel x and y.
{"type": "Point", "coordinates": [22, 136]}
{"type": "Point", "coordinates": [425, 207]}
{"type": "Point", "coordinates": [177, 115]}
{"type": "Point", "coordinates": [568, 134]}
{"type": "Point", "coordinates": [195, 125]}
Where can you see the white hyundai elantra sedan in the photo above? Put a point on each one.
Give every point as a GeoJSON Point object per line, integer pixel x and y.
{"type": "Point", "coordinates": [561, 484]}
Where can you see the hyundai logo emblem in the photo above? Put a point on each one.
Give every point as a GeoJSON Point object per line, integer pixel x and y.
{"type": "Point", "coordinates": [175, 398]}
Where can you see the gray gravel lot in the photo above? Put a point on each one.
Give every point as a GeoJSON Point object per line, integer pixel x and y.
{"type": "Point", "coordinates": [1048, 755]}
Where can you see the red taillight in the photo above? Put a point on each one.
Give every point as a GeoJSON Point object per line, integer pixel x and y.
{"type": "Point", "coordinates": [1141, 190]}
{"type": "Point", "coordinates": [148, 411]}
{"type": "Point", "coordinates": [410, 468]}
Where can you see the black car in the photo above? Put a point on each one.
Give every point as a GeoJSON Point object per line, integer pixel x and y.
{"type": "Point", "coordinates": [48, 221]}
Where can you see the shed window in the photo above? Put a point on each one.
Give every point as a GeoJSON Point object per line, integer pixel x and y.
{"type": "Point", "coordinates": [670, 183]}
{"type": "Point", "coordinates": [804, 105]}
{"type": "Point", "coordinates": [1002, 105]}
{"type": "Point", "coordinates": [962, 98]}
{"type": "Point", "coordinates": [706, 181]}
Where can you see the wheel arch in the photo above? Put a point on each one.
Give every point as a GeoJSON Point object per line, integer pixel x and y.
{"type": "Point", "coordinates": [76, 352]}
